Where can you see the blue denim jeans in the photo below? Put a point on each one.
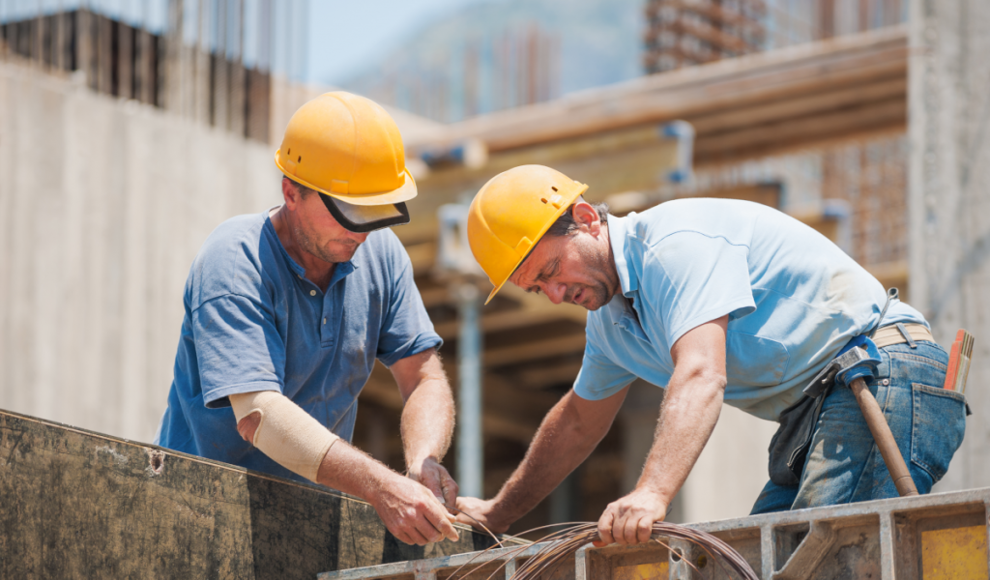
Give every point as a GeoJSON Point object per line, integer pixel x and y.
{"type": "Point", "coordinates": [845, 466]}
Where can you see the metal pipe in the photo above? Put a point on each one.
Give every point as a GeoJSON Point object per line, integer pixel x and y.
{"type": "Point", "coordinates": [470, 454]}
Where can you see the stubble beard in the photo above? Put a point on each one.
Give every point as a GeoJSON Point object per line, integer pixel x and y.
{"type": "Point", "coordinates": [334, 257]}
{"type": "Point", "coordinates": [604, 286]}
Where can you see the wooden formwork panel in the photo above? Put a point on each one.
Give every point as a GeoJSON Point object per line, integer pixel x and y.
{"type": "Point", "coordinates": [77, 504]}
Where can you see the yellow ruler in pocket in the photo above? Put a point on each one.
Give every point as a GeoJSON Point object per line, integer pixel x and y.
{"type": "Point", "coordinates": [959, 358]}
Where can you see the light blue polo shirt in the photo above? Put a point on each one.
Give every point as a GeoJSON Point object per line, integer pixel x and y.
{"type": "Point", "coordinates": [792, 296]}
{"type": "Point", "coordinates": [253, 322]}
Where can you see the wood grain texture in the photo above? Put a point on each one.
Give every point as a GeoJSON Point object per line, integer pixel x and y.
{"type": "Point", "coordinates": [78, 504]}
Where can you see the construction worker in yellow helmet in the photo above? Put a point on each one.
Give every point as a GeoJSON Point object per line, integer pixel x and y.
{"type": "Point", "coordinates": [715, 301]}
{"type": "Point", "coordinates": [286, 312]}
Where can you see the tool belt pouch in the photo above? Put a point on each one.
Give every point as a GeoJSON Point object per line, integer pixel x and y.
{"type": "Point", "coordinates": [790, 444]}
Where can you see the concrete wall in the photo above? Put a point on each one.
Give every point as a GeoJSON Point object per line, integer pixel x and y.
{"type": "Point", "coordinates": [949, 197]}
{"type": "Point", "coordinates": [103, 205]}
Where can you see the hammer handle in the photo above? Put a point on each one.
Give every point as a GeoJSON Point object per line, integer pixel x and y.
{"type": "Point", "coordinates": [884, 439]}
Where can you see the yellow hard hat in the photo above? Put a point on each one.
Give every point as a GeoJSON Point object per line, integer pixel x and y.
{"type": "Point", "coordinates": [348, 148]}
{"type": "Point", "coordinates": [512, 212]}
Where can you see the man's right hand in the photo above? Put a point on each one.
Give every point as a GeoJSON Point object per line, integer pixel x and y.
{"type": "Point", "coordinates": [411, 512]}
{"type": "Point", "coordinates": [480, 511]}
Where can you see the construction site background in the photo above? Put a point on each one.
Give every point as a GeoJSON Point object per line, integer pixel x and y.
{"type": "Point", "coordinates": [107, 192]}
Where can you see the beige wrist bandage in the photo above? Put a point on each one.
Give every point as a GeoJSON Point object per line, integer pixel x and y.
{"type": "Point", "coordinates": [286, 433]}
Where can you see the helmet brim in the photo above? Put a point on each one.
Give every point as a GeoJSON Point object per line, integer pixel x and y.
{"type": "Point", "coordinates": [362, 219]}
{"type": "Point", "coordinates": [404, 192]}
{"type": "Point", "coordinates": [568, 202]}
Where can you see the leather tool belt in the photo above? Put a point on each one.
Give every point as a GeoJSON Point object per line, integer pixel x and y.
{"type": "Point", "coordinates": [790, 444]}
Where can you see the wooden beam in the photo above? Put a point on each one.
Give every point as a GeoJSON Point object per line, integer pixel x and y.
{"type": "Point", "coordinates": [534, 350]}
{"type": "Point", "coordinates": [104, 54]}
{"type": "Point", "coordinates": [436, 296]}
{"type": "Point", "coordinates": [827, 100]}
{"type": "Point", "coordinates": [545, 376]}
{"type": "Point", "coordinates": [506, 320]}
{"type": "Point", "coordinates": [892, 275]}
{"type": "Point", "coordinates": [762, 140]}
{"type": "Point", "coordinates": [515, 420]}
{"type": "Point", "coordinates": [423, 256]}
{"type": "Point", "coordinates": [728, 84]}
{"type": "Point", "coordinates": [825, 225]}
{"type": "Point", "coordinates": [125, 60]}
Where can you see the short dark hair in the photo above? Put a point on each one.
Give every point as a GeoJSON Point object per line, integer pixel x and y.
{"type": "Point", "coordinates": [565, 224]}
{"type": "Point", "coordinates": [302, 189]}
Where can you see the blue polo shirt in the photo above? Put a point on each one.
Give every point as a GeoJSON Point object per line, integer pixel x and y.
{"type": "Point", "coordinates": [253, 322]}
{"type": "Point", "coordinates": [792, 296]}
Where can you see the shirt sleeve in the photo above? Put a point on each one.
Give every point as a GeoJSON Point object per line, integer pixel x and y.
{"type": "Point", "coordinates": [406, 328]}
{"type": "Point", "coordinates": [599, 377]}
{"type": "Point", "coordinates": [236, 340]}
{"type": "Point", "coordinates": [691, 278]}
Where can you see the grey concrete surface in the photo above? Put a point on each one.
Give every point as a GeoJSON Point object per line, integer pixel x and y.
{"type": "Point", "coordinates": [103, 205]}
{"type": "Point", "coordinates": [949, 197]}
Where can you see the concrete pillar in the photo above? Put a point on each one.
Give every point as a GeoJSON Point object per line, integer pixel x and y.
{"type": "Point", "coordinates": [949, 198]}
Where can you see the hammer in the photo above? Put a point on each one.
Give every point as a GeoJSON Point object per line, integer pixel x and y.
{"type": "Point", "coordinates": [857, 361]}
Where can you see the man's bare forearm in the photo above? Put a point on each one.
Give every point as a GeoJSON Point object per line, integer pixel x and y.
{"type": "Point", "coordinates": [428, 421]}
{"type": "Point", "coordinates": [350, 470]}
{"type": "Point", "coordinates": [690, 411]}
{"type": "Point", "coordinates": [408, 509]}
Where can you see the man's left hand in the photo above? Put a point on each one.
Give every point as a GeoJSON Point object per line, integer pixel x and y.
{"type": "Point", "coordinates": [629, 520]}
{"type": "Point", "coordinates": [436, 478]}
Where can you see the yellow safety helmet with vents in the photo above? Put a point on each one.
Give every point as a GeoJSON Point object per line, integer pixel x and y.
{"type": "Point", "coordinates": [349, 149]}
{"type": "Point", "coordinates": [510, 214]}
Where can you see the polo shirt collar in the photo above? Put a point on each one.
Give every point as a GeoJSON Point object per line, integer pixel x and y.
{"type": "Point", "coordinates": [618, 234]}
{"type": "Point", "coordinates": [620, 309]}
{"type": "Point", "coordinates": [340, 271]}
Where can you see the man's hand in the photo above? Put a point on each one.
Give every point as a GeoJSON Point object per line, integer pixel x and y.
{"type": "Point", "coordinates": [412, 513]}
{"type": "Point", "coordinates": [436, 478]}
{"type": "Point", "coordinates": [629, 520]}
{"type": "Point", "coordinates": [481, 511]}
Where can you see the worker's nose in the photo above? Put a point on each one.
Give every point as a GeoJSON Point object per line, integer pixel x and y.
{"type": "Point", "coordinates": [555, 292]}
{"type": "Point", "coordinates": [359, 238]}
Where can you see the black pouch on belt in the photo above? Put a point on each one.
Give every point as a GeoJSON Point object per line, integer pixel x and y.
{"type": "Point", "coordinates": [790, 444]}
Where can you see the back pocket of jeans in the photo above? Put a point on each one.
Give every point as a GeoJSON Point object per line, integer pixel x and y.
{"type": "Point", "coordinates": [937, 429]}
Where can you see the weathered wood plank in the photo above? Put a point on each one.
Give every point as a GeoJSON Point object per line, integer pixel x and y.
{"type": "Point", "coordinates": [78, 504]}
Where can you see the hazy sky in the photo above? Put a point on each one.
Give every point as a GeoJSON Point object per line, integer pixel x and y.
{"type": "Point", "coordinates": [347, 35]}
{"type": "Point", "coordinates": [343, 36]}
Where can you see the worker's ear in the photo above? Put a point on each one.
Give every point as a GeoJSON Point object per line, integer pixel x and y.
{"type": "Point", "coordinates": [290, 193]}
{"type": "Point", "coordinates": [586, 216]}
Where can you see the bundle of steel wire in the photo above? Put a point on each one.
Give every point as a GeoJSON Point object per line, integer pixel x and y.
{"type": "Point", "coordinates": [561, 545]}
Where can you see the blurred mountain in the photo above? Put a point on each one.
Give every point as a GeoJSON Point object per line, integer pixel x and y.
{"type": "Point", "coordinates": [506, 53]}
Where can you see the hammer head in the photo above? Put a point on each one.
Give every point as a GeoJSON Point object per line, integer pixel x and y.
{"type": "Point", "coordinates": [859, 361]}
{"type": "Point", "coordinates": [859, 358]}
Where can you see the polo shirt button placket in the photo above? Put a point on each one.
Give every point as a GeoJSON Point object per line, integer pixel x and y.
{"type": "Point", "coordinates": [325, 331]}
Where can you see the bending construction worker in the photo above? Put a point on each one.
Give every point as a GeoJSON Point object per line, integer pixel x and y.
{"type": "Point", "coordinates": [714, 301]}
{"type": "Point", "coordinates": [287, 310]}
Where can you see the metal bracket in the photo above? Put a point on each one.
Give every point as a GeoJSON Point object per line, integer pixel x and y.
{"type": "Point", "coordinates": [809, 553]}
